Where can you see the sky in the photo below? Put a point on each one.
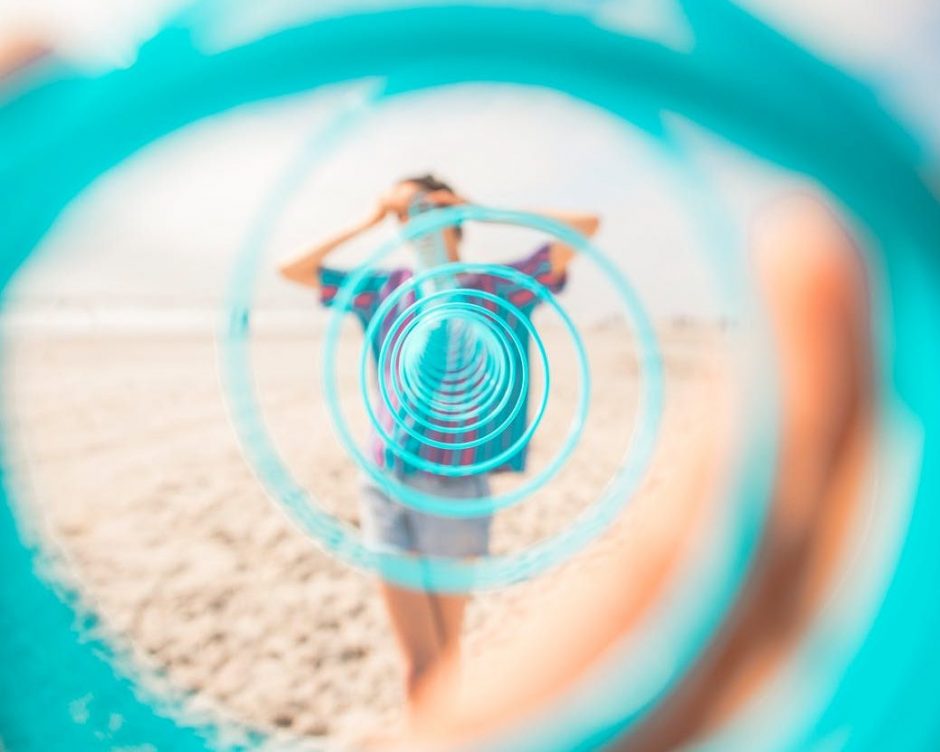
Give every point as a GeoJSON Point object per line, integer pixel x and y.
{"type": "Point", "coordinates": [165, 227]}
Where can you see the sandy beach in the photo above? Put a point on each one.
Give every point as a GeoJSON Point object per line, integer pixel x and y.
{"type": "Point", "coordinates": [126, 464]}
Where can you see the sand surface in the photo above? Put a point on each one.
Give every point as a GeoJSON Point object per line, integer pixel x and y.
{"type": "Point", "coordinates": [125, 462]}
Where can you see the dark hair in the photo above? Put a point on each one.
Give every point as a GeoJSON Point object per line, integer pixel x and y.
{"type": "Point", "coordinates": [430, 184]}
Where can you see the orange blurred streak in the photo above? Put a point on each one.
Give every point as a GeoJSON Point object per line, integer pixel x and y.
{"type": "Point", "coordinates": [814, 285]}
{"type": "Point", "coordinates": [18, 52]}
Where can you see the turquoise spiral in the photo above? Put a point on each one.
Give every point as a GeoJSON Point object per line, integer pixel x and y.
{"type": "Point", "coordinates": [451, 364]}
{"type": "Point", "coordinates": [740, 80]}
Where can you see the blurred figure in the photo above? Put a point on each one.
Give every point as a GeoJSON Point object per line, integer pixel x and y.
{"type": "Point", "coordinates": [428, 625]}
{"type": "Point", "coordinates": [814, 284]}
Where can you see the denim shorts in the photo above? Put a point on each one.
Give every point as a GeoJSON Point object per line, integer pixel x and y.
{"type": "Point", "coordinates": [389, 523]}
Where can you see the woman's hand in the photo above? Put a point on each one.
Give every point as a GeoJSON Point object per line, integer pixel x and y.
{"type": "Point", "coordinates": [378, 214]}
{"type": "Point", "coordinates": [399, 199]}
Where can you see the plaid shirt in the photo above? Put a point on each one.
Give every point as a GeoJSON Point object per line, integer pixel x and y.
{"type": "Point", "coordinates": [375, 287]}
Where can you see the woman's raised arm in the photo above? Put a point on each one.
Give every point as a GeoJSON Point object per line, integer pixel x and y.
{"type": "Point", "coordinates": [304, 269]}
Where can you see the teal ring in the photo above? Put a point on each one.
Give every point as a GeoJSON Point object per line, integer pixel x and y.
{"type": "Point", "coordinates": [476, 408]}
{"type": "Point", "coordinates": [401, 492]}
{"type": "Point", "coordinates": [443, 411]}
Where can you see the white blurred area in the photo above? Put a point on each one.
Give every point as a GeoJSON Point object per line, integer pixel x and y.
{"type": "Point", "coordinates": [877, 38]}
{"type": "Point", "coordinates": [164, 230]}
{"type": "Point", "coordinates": [152, 243]}
{"type": "Point", "coordinates": [93, 34]}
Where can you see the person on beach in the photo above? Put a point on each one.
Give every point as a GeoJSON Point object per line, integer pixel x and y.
{"type": "Point", "coordinates": [427, 625]}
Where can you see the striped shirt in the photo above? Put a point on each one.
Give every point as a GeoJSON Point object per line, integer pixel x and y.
{"type": "Point", "coordinates": [375, 287]}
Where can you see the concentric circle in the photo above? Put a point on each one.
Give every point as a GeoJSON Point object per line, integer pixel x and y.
{"type": "Point", "coordinates": [453, 375]}
{"type": "Point", "coordinates": [798, 124]}
{"type": "Point", "coordinates": [402, 313]}
{"type": "Point", "coordinates": [452, 370]}
{"type": "Point", "coordinates": [474, 344]}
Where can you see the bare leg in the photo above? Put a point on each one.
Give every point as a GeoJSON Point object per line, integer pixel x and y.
{"type": "Point", "coordinates": [414, 620]}
{"type": "Point", "coordinates": [450, 610]}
